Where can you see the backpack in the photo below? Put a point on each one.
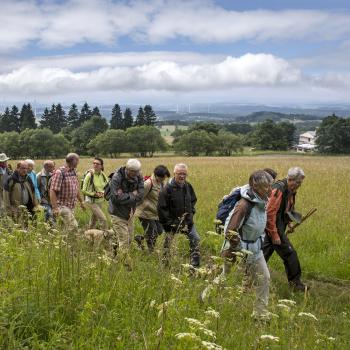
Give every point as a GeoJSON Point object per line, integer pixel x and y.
{"type": "Point", "coordinates": [226, 206]}
{"type": "Point", "coordinates": [91, 183]}
{"type": "Point", "coordinates": [107, 189]}
{"type": "Point", "coordinates": [63, 172]}
{"type": "Point", "coordinates": [145, 178]}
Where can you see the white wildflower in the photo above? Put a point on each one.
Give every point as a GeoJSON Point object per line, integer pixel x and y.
{"type": "Point", "coordinates": [166, 304]}
{"type": "Point", "coordinates": [217, 259]}
{"type": "Point", "coordinates": [212, 312]}
{"type": "Point", "coordinates": [238, 254]}
{"type": "Point", "coordinates": [175, 279]}
{"type": "Point", "coordinates": [199, 326]}
{"type": "Point", "coordinates": [159, 332]}
{"type": "Point", "coordinates": [194, 322]}
{"type": "Point", "coordinates": [206, 292]}
{"type": "Point", "coordinates": [269, 337]}
{"type": "Point", "coordinates": [287, 302]}
{"type": "Point", "coordinates": [211, 346]}
{"type": "Point", "coordinates": [307, 314]}
{"type": "Point", "coordinates": [212, 233]}
{"type": "Point", "coordinates": [152, 304]}
{"type": "Point", "coordinates": [207, 332]}
{"type": "Point", "coordinates": [331, 338]}
{"type": "Point", "coordinates": [187, 266]}
{"type": "Point", "coordinates": [202, 271]}
{"type": "Point", "coordinates": [219, 279]}
{"type": "Point", "coordinates": [283, 307]}
{"type": "Point", "coordinates": [246, 252]}
{"type": "Point", "coordinates": [187, 335]}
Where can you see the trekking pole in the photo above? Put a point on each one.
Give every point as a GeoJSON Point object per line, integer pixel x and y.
{"type": "Point", "coordinates": [309, 213]}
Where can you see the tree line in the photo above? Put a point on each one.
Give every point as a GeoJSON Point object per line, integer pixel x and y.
{"type": "Point", "coordinates": [58, 132]}
{"type": "Point", "coordinates": [56, 119]}
{"type": "Point", "coordinates": [210, 138]}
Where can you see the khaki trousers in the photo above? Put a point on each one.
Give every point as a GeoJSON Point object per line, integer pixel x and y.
{"type": "Point", "coordinates": [123, 232]}
{"type": "Point", "coordinates": [97, 216]}
{"type": "Point", "coordinates": [68, 219]}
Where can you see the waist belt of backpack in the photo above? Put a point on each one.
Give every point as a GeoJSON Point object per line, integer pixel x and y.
{"type": "Point", "coordinates": [251, 241]}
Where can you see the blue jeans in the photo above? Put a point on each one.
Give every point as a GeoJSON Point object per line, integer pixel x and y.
{"type": "Point", "coordinates": [193, 238]}
{"type": "Point", "coordinates": [48, 212]}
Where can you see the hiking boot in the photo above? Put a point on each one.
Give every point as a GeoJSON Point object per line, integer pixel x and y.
{"type": "Point", "coordinates": [139, 240]}
{"type": "Point", "coordinates": [299, 286]}
{"type": "Point", "coordinates": [195, 262]}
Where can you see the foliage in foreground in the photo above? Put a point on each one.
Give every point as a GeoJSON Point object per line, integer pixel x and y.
{"type": "Point", "coordinates": [59, 293]}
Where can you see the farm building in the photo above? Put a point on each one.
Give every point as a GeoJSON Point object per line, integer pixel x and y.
{"type": "Point", "coordinates": [307, 142]}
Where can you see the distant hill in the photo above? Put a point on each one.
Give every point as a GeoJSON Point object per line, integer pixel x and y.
{"type": "Point", "coordinates": [257, 117]}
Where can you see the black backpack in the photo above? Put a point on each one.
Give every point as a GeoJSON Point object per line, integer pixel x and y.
{"type": "Point", "coordinates": [107, 189]}
{"type": "Point", "coordinates": [226, 206]}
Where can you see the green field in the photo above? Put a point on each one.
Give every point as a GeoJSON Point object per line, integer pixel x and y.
{"type": "Point", "coordinates": [58, 292]}
{"type": "Point", "coordinates": [167, 130]}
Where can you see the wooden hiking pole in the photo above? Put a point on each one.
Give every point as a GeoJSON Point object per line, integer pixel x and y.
{"type": "Point", "coordinates": [308, 214]}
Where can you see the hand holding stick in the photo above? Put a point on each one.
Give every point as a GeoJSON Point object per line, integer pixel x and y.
{"type": "Point", "coordinates": [294, 226]}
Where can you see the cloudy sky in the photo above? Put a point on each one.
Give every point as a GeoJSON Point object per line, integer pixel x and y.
{"type": "Point", "coordinates": [158, 51]}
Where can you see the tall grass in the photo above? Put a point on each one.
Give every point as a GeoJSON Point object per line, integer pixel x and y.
{"type": "Point", "coordinates": [58, 292]}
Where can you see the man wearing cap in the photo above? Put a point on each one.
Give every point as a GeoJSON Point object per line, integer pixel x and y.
{"type": "Point", "coordinates": [127, 191]}
{"type": "Point", "coordinates": [5, 173]}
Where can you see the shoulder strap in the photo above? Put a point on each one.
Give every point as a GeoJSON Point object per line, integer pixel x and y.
{"type": "Point", "coordinates": [150, 189]}
{"type": "Point", "coordinates": [12, 184]}
{"type": "Point", "coordinates": [250, 206]}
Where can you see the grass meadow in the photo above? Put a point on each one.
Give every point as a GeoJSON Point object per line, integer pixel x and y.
{"type": "Point", "coordinates": [58, 292]}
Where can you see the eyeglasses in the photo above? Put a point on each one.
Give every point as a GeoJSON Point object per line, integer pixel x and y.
{"type": "Point", "coordinates": [181, 174]}
{"type": "Point", "coordinates": [96, 163]}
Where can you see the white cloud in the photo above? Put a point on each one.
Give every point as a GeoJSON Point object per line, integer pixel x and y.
{"type": "Point", "coordinates": [84, 61]}
{"type": "Point", "coordinates": [166, 75]}
{"type": "Point", "coordinates": [104, 22]}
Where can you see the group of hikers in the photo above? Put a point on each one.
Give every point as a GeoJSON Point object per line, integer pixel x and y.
{"type": "Point", "coordinates": [257, 224]}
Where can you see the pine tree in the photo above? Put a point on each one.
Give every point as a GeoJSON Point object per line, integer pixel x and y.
{"type": "Point", "coordinates": [9, 122]}
{"type": "Point", "coordinates": [85, 113]}
{"type": "Point", "coordinates": [27, 118]}
{"type": "Point", "coordinates": [96, 111]}
{"type": "Point", "coordinates": [140, 118]}
{"type": "Point", "coordinates": [60, 118]}
{"type": "Point", "coordinates": [45, 121]}
{"type": "Point", "coordinates": [117, 121]}
{"type": "Point", "coordinates": [128, 118]}
{"type": "Point", "coordinates": [73, 117]}
{"type": "Point", "coordinates": [150, 116]}
{"type": "Point", "coordinates": [14, 119]}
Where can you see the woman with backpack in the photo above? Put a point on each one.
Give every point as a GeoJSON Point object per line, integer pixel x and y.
{"type": "Point", "coordinates": [147, 211]}
{"type": "Point", "coordinates": [94, 182]}
{"type": "Point", "coordinates": [245, 229]}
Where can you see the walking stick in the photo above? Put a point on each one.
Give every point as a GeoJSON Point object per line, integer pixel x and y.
{"type": "Point", "coordinates": [305, 217]}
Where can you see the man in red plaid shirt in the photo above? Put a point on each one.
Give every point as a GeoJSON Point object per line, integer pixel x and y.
{"type": "Point", "coordinates": [64, 192]}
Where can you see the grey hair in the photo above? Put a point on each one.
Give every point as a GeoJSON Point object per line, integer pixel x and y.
{"type": "Point", "coordinates": [30, 161]}
{"type": "Point", "coordinates": [180, 166]}
{"type": "Point", "coordinates": [295, 173]}
{"type": "Point", "coordinates": [133, 164]}
{"type": "Point", "coordinates": [48, 162]}
{"type": "Point", "coordinates": [260, 178]}
{"type": "Point", "coordinates": [71, 156]}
